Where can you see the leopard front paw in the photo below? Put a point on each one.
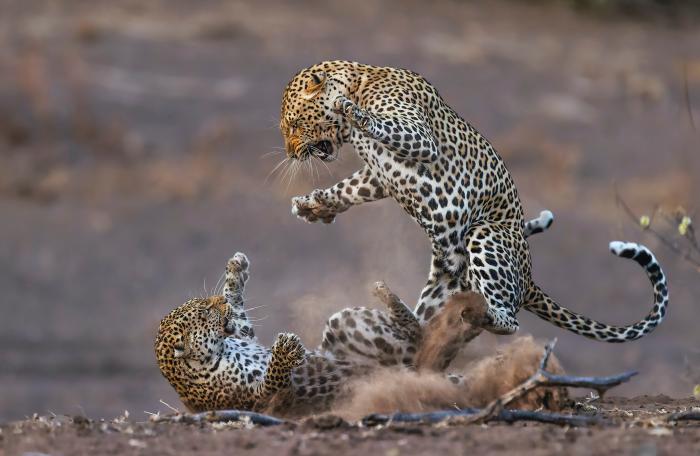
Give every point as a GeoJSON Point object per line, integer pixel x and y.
{"type": "Point", "coordinates": [288, 350]}
{"type": "Point", "coordinates": [343, 105]}
{"type": "Point", "coordinates": [237, 269]}
{"type": "Point", "coordinates": [312, 208]}
{"type": "Point", "coordinates": [238, 262]}
{"type": "Point", "coordinates": [357, 116]}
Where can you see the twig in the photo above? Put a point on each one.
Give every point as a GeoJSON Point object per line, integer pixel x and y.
{"type": "Point", "coordinates": [506, 416]}
{"type": "Point", "coordinates": [686, 92]}
{"type": "Point", "coordinates": [684, 416]}
{"type": "Point", "coordinates": [685, 255]}
{"type": "Point", "coordinates": [219, 416]}
{"type": "Point", "coordinates": [542, 378]}
{"type": "Point", "coordinates": [174, 409]}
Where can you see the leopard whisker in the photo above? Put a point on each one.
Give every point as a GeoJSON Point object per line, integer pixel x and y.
{"type": "Point", "coordinates": [274, 123]}
{"type": "Point", "coordinates": [296, 166]}
{"type": "Point", "coordinates": [286, 159]}
{"type": "Point", "coordinates": [298, 171]}
{"type": "Point", "coordinates": [285, 170]}
{"type": "Point", "coordinates": [219, 287]}
{"type": "Point", "coordinates": [330, 173]}
{"type": "Point", "coordinates": [256, 307]}
{"type": "Point", "coordinates": [289, 172]}
{"type": "Point", "coordinates": [272, 152]}
{"type": "Point", "coordinates": [292, 175]}
{"type": "Point", "coordinates": [204, 288]}
{"type": "Point", "coordinates": [312, 167]}
{"type": "Point", "coordinates": [307, 166]}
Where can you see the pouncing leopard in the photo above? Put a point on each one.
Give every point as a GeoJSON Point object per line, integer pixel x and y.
{"type": "Point", "coordinates": [448, 178]}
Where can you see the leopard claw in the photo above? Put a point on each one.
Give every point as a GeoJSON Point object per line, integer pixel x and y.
{"type": "Point", "coordinates": [341, 104]}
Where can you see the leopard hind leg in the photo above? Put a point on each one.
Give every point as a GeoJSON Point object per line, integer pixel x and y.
{"type": "Point", "coordinates": [401, 316]}
{"type": "Point", "coordinates": [497, 258]}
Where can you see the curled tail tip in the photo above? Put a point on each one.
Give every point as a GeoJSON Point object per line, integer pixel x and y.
{"type": "Point", "coordinates": [627, 249]}
{"type": "Point", "coordinates": [617, 247]}
{"type": "Point", "coordinates": [547, 217]}
{"type": "Point", "coordinates": [638, 252]}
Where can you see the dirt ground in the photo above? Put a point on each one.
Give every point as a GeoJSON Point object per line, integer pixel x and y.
{"type": "Point", "coordinates": [633, 426]}
{"type": "Point", "coordinates": [136, 142]}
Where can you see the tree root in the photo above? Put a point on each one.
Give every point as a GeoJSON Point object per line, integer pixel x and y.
{"type": "Point", "coordinates": [684, 416]}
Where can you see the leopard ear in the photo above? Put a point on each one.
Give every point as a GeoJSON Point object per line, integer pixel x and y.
{"type": "Point", "coordinates": [315, 85]}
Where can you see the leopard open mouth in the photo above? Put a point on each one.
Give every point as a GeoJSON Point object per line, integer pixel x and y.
{"type": "Point", "coordinates": [323, 150]}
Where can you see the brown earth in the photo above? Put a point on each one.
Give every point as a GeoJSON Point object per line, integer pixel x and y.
{"type": "Point", "coordinates": [132, 165]}
{"type": "Point", "coordinates": [636, 426]}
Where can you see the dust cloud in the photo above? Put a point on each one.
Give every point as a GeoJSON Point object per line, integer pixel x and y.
{"type": "Point", "coordinates": [393, 390]}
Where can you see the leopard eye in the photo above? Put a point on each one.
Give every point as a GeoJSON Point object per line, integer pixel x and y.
{"type": "Point", "coordinates": [179, 350]}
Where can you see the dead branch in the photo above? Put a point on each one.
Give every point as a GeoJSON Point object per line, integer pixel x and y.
{"type": "Point", "coordinates": [540, 379]}
{"type": "Point", "coordinates": [692, 415]}
{"type": "Point", "coordinates": [219, 416]}
{"type": "Point", "coordinates": [505, 416]}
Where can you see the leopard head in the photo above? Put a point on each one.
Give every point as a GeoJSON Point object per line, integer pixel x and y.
{"type": "Point", "coordinates": [193, 335]}
{"type": "Point", "coordinates": [308, 122]}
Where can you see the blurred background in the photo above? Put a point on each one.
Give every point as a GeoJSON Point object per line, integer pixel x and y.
{"type": "Point", "coordinates": [136, 139]}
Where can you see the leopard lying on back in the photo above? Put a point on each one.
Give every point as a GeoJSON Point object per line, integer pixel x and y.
{"type": "Point", "coordinates": [207, 350]}
{"type": "Point", "coordinates": [447, 177]}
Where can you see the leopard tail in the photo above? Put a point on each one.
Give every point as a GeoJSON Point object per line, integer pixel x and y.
{"type": "Point", "coordinates": [544, 307]}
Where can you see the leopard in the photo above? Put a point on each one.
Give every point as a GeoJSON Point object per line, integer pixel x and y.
{"type": "Point", "coordinates": [208, 351]}
{"type": "Point", "coordinates": [448, 178]}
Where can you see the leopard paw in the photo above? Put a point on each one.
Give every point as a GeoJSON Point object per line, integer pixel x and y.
{"type": "Point", "coordinates": [288, 350]}
{"type": "Point", "coordinates": [238, 263]}
{"type": "Point", "coordinates": [357, 116]}
{"type": "Point", "coordinates": [342, 105]}
{"type": "Point", "coordinates": [312, 208]}
{"type": "Point", "coordinates": [237, 271]}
